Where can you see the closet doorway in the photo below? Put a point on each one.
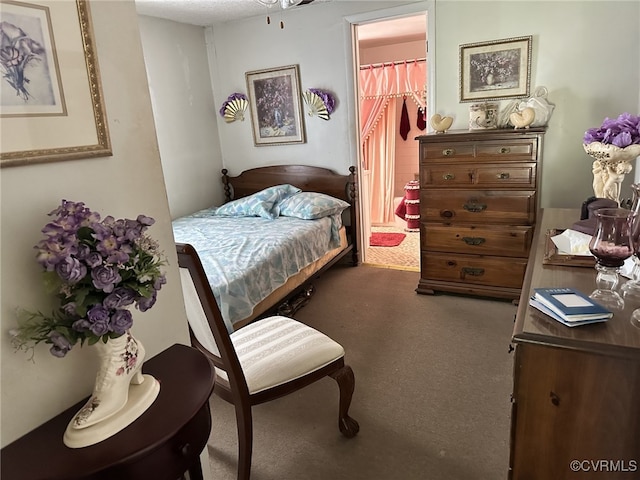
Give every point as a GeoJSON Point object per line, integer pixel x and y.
{"type": "Point", "coordinates": [392, 82]}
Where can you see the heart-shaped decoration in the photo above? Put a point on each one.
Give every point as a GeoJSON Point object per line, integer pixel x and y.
{"type": "Point", "coordinates": [524, 118]}
{"type": "Point", "coordinates": [440, 124]}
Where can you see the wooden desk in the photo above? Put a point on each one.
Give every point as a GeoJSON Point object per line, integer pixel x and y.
{"type": "Point", "coordinates": [576, 393]}
{"type": "Point", "coordinates": [162, 444]}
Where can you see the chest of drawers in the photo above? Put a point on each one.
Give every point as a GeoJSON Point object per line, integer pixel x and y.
{"type": "Point", "coordinates": [478, 207]}
{"type": "Point", "coordinates": [576, 391]}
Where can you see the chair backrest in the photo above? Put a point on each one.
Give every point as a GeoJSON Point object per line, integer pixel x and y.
{"type": "Point", "coordinates": [207, 327]}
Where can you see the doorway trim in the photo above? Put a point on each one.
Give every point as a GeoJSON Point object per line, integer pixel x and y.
{"type": "Point", "coordinates": [351, 22]}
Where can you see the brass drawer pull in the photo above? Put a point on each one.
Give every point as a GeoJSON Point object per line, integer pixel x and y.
{"type": "Point", "coordinates": [474, 272]}
{"type": "Point", "coordinates": [505, 150]}
{"type": "Point", "coordinates": [448, 176]}
{"type": "Point", "coordinates": [447, 152]}
{"type": "Point", "coordinates": [503, 175]}
{"type": "Point", "coordinates": [473, 240]}
{"type": "Point", "coordinates": [474, 207]}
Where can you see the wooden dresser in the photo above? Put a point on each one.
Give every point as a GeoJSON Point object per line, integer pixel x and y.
{"type": "Point", "coordinates": [576, 391]}
{"type": "Point", "coordinates": [478, 206]}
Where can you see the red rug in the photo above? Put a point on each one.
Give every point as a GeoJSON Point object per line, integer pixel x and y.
{"type": "Point", "coordinates": [379, 239]}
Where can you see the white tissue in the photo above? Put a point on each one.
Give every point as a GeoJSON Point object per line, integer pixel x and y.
{"type": "Point", "coordinates": [572, 242]}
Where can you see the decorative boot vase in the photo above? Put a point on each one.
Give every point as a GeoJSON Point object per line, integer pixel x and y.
{"type": "Point", "coordinates": [120, 395]}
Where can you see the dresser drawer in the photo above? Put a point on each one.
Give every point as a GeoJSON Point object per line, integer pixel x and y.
{"type": "Point", "coordinates": [478, 206]}
{"type": "Point", "coordinates": [506, 175]}
{"type": "Point", "coordinates": [519, 150]}
{"type": "Point", "coordinates": [172, 458]}
{"type": "Point", "coordinates": [513, 150]}
{"type": "Point", "coordinates": [473, 270]}
{"type": "Point", "coordinates": [447, 151]}
{"type": "Point", "coordinates": [508, 241]}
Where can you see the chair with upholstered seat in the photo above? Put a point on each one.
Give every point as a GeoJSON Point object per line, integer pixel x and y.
{"type": "Point", "coordinates": [262, 361]}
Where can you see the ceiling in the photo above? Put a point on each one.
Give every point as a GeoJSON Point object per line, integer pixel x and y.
{"type": "Point", "coordinates": [209, 12]}
{"type": "Point", "coordinates": [205, 12]}
{"type": "Point", "coordinates": [397, 30]}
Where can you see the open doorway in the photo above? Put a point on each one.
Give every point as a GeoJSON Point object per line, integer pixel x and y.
{"type": "Point", "coordinates": [392, 82]}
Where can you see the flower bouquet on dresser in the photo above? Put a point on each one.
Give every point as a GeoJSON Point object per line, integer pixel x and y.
{"type": "Point", "coordinates": [99, 269]}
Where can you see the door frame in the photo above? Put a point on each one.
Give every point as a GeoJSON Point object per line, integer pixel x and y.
{"type": "Point", "coordinates": [352, 21]}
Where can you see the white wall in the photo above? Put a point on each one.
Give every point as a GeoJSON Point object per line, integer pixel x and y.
{"type": "Point", "coordinates": [585, 52]}
{"type": "Point", "coordinates": [178, 70]}
{"type": "Point", "coordinates": [124, 185]}
{"type": "Point", "coordinates": [572, 43]}
{"type": "Point", "coordinates": [572, 56]}
{"type": "Point", "coordinates": [316, 38]}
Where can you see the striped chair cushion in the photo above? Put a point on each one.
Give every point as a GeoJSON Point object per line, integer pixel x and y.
{"type": "Point", "coordinates": [278, 349]}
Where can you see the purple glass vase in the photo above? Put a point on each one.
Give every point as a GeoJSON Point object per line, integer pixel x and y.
{"type": "Point", "coordinates": [611, 244]}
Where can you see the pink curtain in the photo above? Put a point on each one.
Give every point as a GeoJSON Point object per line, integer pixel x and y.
{"type": "Point", "coordinates": [379, 88]}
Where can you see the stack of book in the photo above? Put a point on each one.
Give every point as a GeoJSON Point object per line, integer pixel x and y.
{"type": "Point", "coordinates": [569, 306]}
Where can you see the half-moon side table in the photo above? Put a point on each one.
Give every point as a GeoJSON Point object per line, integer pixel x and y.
{"type": "Point", "coordinates": [162, 444]}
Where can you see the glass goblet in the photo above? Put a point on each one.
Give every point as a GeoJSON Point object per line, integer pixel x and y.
{"type": "Point", "coordinates": [631, 289]}
{"type": "Point", "coordinates": [635, 243]}
{"type": "Point", "coordinates": [611, 245]}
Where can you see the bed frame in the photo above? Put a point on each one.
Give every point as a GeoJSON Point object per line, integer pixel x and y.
{"type": "Point", "coordinates": [308, 179]}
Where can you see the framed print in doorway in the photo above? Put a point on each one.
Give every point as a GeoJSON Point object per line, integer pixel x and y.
{"type": "Point", "coordinates": [274, 102]}
{"type": "Point", "coordinates": [51, 103]}
{"type": "Point", "coordinates": [495, 70]}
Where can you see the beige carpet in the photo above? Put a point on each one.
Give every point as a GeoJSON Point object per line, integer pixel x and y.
{"type": "Point", "coordinates": [433, 383]}
{"type": "Point", "coordinates": [405, 256]}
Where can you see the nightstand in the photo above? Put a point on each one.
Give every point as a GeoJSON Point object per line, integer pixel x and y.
{"type": "Point", "coordinates": [163, 444]}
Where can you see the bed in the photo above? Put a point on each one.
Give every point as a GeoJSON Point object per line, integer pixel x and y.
{"type": "Point", "coordinates": [263, 261]}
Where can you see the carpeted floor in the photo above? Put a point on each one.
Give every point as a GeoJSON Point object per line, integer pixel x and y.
{"type": "Point", "coordinates": [433, 383]}
{"type": "Point", "coordinates": [405, 256]}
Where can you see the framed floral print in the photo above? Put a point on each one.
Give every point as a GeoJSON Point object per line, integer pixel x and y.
{"type": "Point", "coordinates": [274, 102]}
{"type": "Point", "coordinates": [496, 69]}
{"type": "Point", "coordinates": [51, 105]}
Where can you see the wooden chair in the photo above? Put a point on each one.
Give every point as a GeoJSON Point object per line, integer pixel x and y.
{"type": "Point", "coordinates": [262, 361]}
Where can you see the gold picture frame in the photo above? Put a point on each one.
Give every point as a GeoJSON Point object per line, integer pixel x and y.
{"type": "Point", "coordinates": [274, 102]}
{"type": "Point", "coordinates": [495, 70]}
{"type": "Point", "coordinates": [59, 57]}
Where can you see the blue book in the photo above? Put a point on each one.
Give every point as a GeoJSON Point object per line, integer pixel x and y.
{"type": "Point", "coordinates": [570, 304]}
{"type": "Point", "coordinates": [575, 323]}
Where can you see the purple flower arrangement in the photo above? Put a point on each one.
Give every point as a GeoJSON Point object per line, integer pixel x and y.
{"type": "Point", "coordinates": [621, 132]}
{"type": "Point", "coordinates": [327, 99]}
{"type": "Point", "coordinates": [98, 268]}
{"type": "Point", "coordinates": [230, 98]}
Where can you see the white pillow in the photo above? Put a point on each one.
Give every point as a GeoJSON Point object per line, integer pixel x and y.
{"type": "Point", "coordinates": [311, 205]}
{"type": "Point", "coordinates": [260, 204]}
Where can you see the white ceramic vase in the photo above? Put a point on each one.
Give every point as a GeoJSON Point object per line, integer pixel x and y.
{"type": "Point", "coordinates": [121, 393]}
{"type": "Point", "coordinates": [610, 166]}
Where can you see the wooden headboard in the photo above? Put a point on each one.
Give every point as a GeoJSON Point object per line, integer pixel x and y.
{"type": "Point", "coordinates": [308, 179]}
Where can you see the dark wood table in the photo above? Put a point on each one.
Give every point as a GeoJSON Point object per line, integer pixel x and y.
{"type": "Point", "coordinates": [162, 444]}
{"type": "Point", "coordinates": [576, 393]}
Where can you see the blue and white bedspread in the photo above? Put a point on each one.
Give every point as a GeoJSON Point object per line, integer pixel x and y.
{"type": "Point", "coordinates": [247, 258]}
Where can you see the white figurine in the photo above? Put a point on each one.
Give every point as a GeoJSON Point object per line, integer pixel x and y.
{"type": "Point", "coordinates": [616, 173]}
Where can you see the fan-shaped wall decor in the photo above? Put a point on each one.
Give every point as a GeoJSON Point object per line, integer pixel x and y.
{"type": "Point", "coordinates": [319, 103]}
{"type": "Point", "coordinates": [235, 110]}
{"type": "Point", "coordinates": [234, 107]}
{"type": "Point", "coordinates": [315, 105]}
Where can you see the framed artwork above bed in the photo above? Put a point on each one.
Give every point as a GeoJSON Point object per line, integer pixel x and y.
{"type": "Point", "coordinates": [274, 102]}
